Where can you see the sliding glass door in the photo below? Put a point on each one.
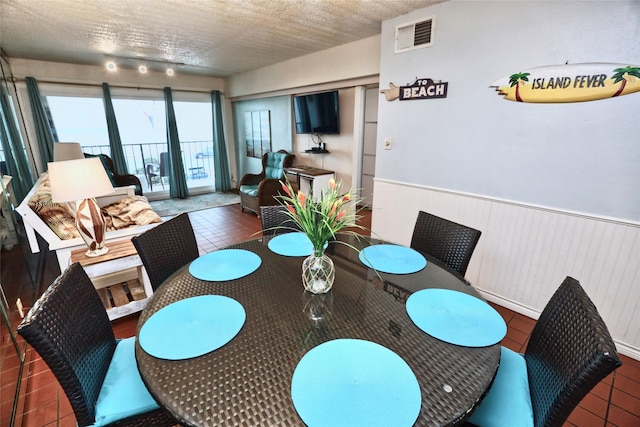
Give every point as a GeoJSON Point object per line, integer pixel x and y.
{"type": "Point", "coordinates": [142, 126]}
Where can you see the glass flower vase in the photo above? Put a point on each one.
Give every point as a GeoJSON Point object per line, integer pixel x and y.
{"type": "Point", "coordinates": [318, 272]}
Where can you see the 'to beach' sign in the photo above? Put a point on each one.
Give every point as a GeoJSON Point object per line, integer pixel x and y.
{"type": "Point", "coordinates": [570, 83]}
{"type": "Point", "coordinates": [419, 89]}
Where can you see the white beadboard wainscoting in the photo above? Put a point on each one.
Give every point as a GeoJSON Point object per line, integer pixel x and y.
{"type": "Point", "coordinates": [525, 251]}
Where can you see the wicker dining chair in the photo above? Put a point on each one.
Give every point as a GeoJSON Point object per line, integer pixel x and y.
{"type": "Point", "coordinates": [570, 350]}
{"type": "Point", "coordinates": [166, 247]}
{"type": "Point", "coordinates": [69, 327]}
{"type": "Point", "coordinates": [448, 241]}
{"type": "Point", "coordinates": [275, 220]}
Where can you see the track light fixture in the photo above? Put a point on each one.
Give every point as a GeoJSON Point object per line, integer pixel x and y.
{"type": "Point", "coordinates": [141, 64]}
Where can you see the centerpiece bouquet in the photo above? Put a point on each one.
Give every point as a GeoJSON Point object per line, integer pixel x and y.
{"type": "Point", "coordinates": [320, 219]}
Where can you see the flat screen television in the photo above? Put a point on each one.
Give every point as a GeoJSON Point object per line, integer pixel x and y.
{"type": "Point", "coordinates": [317, 113]}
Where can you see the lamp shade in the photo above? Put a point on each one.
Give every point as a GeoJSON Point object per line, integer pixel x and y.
{"type": "Point", "coordinates": [74, 180]}
{"type": "Point", "coordinates": [67, 151]}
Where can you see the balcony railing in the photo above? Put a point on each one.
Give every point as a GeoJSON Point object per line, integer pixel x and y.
{"type": "Point", "coordinates": [147, 162]}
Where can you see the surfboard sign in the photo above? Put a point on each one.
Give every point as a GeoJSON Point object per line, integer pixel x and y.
{"type": "Point", "coordinates": [569, 83]}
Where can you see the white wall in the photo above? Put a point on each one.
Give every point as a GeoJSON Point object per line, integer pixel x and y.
{"type": "Point", "coordinates": [280, 110]}
{"type": "Point", "coordinates": [345, 68]}
{"type": "Point", "coordinates": [553, 187]}
{"type": "Point", "coordinates": [342, 63]}
{"type": "Point", "coordinates": [582, 157]}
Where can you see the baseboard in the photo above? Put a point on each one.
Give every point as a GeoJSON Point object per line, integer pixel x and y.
{"type": "Point", "coordinates": [623, 348]}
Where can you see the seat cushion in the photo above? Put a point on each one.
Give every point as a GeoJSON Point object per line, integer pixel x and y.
{"type": "Point", "coordinates": [251, 190]}
{"type": "Point", "coordinates": [123, 393]}
{"type": "Point", "coordinates": [274, 167]}
{"type": "Point", "coordinates": [508, 403]}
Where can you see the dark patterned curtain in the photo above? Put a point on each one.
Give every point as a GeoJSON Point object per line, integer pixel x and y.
{"type": "Point", "coordinates": [44, 133]}
{"type": "Point", "coordinates": [177, 180]}
{"type": "Point", "coordinates": [115, 144]}
{"type": "Point", "coordinates": [221, 162]}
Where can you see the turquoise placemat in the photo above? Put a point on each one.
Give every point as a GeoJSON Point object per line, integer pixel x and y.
{"type": "Point", "coordinates": [392, 259]}
{"type": "Point", "coordinates": [192, 327]}
{"type": "Point", "coordinates": [291, 244]}
{"type": "Point", "coordinates": [225, 264]}
{"type": "Point", "coordinates": [349, 382]}
{"type": "Point", "coordinates": [456, 317]}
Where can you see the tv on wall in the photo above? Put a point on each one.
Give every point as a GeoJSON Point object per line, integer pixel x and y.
{"type": "Point", "coordinates": [317, 113]}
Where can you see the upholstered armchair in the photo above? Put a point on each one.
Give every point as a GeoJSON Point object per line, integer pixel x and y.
{"type": "Point", "coordinates": [259, 189]}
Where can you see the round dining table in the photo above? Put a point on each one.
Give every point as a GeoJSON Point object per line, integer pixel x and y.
{"type": "Point", "coordinates": [248, 380]}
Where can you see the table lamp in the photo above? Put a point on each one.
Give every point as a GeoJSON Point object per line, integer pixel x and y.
{"type": "Point", "coordinates": [67, 151]}
{"type": "Point", "coordinates": [80, 181]}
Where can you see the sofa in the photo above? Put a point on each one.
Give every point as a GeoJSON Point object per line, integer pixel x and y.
{"type": "Point", "coordinates": [126, 215]}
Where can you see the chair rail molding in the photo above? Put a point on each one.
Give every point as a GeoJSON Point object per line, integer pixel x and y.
{"type": "Point", "coordinates": [526, 249]}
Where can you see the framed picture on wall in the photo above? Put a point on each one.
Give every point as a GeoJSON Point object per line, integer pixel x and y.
{"type": "Point", "coordinates": [257, 127]}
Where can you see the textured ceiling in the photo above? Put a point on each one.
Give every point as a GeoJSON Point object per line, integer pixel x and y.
{"type": "Point", "coordinates": [212, 37]}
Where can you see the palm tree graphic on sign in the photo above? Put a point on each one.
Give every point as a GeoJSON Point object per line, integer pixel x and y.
{"type": "Point", "coordinates": [515, 79]}
{"type": "Point", "coordinates": [619, 76]}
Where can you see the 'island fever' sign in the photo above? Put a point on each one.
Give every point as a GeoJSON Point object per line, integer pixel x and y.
{"type": "Point", "coordinates": [570, 83]}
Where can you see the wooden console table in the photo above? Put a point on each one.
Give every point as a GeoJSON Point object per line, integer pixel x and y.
{"type": "Point", "coordinates": [310, 179]}
{"type": "Point", "coordinates": [114, 272]}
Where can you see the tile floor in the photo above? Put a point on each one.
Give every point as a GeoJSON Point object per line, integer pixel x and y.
{"type": "Point", "coordinates": [46, 405]}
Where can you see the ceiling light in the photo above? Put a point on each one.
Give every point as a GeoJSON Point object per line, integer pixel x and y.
{"type": "Point", "coordinates": [142, 69]}
{"type": "Point", "coordinates": [169, 71]}
{"type": "Point", "coordinates": [111, 66]}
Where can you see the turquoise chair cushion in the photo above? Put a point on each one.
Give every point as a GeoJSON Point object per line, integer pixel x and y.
{"type": "Point", "coordinates": [251, 190]}
{"type": "Point", "coordinates": [508, 403]}
{"type": "Point", "coordinates": [275, 165]}
{"type": "Point", "coordinates": [123, 393]}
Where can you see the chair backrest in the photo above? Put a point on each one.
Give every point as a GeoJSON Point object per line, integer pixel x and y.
{"type": "Point", "coordinates": [68, 326]}
{"type": "Point", "coordinates": [569, 352]}
{"type": "Point", "coordinates": [448, 241]}
{"type": "Point", "coordinates": [275, 220]}
{"type": "Point", "coordinates": [273, 163]}
{"type": "Point", "coordinates": [166, 247]}
{"type": "Point", "coordinates": [164, 164]}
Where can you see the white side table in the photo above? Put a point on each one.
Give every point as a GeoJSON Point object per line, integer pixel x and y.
{"type": "Point", "coordinates": [118, 276]}
{"type": "Point", "coordinates": [311, 179]}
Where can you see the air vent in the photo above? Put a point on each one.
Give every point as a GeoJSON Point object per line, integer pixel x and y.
{"type": "Point", "coordinates": [414, 35]}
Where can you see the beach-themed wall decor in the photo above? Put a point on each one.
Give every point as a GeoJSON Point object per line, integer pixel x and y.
{"type": "Point", "coordinates": [419, 89]}
{"type": "Point", "coordinates": [257, 128]}
{"type": "Point", "coordinates": [570, 83]}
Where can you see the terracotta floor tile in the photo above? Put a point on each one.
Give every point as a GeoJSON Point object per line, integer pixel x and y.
{"type": "Point", "coordinates": [584, 418]}
{"type": "Point", "coordinates": [626, 401]}
{"type": "Point", "coordinates": [594, 404]}
{"type": "Point", "coordinates": [517, 336]}
{"type": "Point", "coordinates": [625, 384]}
{"type": "Point", "coordinates": [41, 396]}
{"type": "Point", "coordinates": [630, 368]}
{"type": "Point", "coordinates": [522, 324]}
{"type": "Point", "coordinates": [622, 418]}
{"type": "Point", "coordinates": [41, 415]}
